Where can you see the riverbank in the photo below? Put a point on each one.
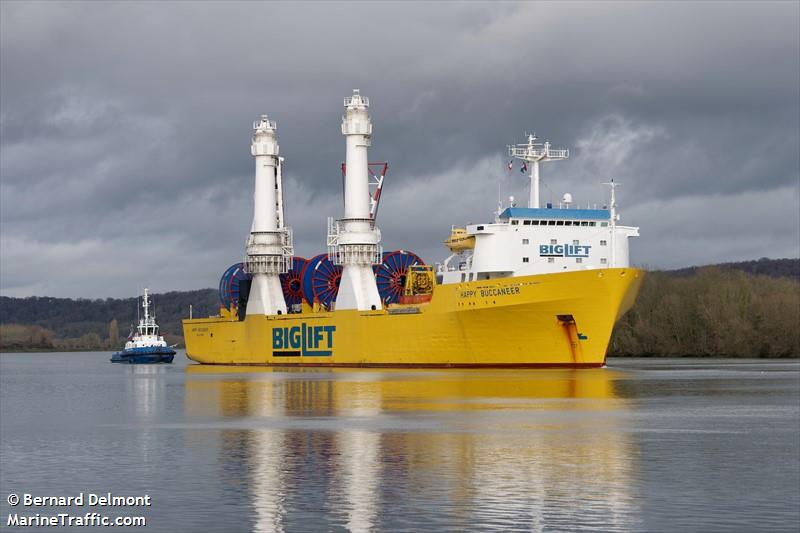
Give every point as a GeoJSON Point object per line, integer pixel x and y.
{"type": "Point", "coordinates": [715, 312]}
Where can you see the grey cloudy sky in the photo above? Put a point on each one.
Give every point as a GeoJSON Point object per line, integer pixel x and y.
{"type": "Point", "coordinates": [125, 127]}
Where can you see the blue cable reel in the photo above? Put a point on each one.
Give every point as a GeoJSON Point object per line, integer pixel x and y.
{"type": "Point", "coordinates": [390, 275]}
{"type": "Point", "coordinates": [292, 281]}
{"type": "Point", "coordinates": [321, 280]}
{"type": "Point", "coordinates": [229, 285]}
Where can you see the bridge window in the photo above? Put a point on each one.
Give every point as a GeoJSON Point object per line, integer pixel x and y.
{"type": "Point", "coordinates": [604, 224]}
{"type": "Point", "coordinates": [560, 223]}
{"type": "Point", "coordinates": [579, 260]}
{"type": "Point", "coordinates": [592, 224]}
{"type": "Point", "coordinates": [524, 259]}
{"type": "Point", "coordinates": [526, 222]}
{"type": "Point", "coordinates": [576, 242]}
{"type": "Point", "coordinates": [568, 223]}
{"type": "Point", "coordinates": [584, 223]}
{"type": "Point", "coordinates": [515, 222]}
{"type": "Point", "coordinates": [553, 241]}
{"type": "Point", "coordinates": [551, 259]}
{"type": "Point", "coordinates": [551, 222]}
{"type": "Point", "coordinates": [525, 241]}
{"type": "Point", "coordinates": [470, 276]}
{"type": "Point", "coordinates": [535, 222]}
{"type": "Point", "coordinates": [463, 276]}
{"type": "Point", "coordinates": [603, 260]}
{"type": "Point", "coordinates": [603, 243]}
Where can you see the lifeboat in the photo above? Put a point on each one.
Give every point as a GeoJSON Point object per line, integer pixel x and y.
{"type": "Point", "coordinates": [459, 240]}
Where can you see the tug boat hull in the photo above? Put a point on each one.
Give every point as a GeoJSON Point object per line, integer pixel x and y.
{"type": "Point", "coordinates": [545, 320]}
{"type": "Point", "coordinates": [150, 355]}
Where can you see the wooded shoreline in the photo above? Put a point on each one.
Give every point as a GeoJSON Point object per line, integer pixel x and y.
{"type": "Point", "coordinates": [713, 313]}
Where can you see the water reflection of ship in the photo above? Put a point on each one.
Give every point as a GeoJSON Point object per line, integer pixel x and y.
{"type": "Point", "coordinates": [146, 390]}
{"type": "Point", "coordinates": [146, 399]}
{"type": "Point", "coordinates": [487, 449]}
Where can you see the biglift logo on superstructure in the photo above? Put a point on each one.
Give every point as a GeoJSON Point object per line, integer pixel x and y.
{"type": "Point", "coordinates": [303, 340]}
{"type": "Point", "coordinates": [564, 250]}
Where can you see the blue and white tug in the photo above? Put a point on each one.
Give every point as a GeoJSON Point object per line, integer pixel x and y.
{"type": "Point", "coordinates": [146, 345]}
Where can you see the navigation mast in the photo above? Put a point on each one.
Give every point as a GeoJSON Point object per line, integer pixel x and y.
{"type": "Point", "coordinates": [535, 153]}
{"type": "Point", "coordinates": [613, 216]}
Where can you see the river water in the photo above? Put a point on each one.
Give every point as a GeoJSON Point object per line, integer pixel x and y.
{"type": "Point", "coordinates": [643, 445]}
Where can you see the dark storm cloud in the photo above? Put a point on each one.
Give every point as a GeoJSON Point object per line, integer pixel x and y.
{"type": "Point", "coordinates": [125, 126]}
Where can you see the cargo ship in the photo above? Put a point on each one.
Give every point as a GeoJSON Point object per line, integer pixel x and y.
{"type": "Point", "coordinates": [538, 286]}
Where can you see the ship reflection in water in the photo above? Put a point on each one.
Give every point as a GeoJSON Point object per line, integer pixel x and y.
{"type": "Point", "coordinates": [315, 449]}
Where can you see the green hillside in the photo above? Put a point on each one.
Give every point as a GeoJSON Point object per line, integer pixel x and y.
{"type": "Point", "coordinates": [45, 323]}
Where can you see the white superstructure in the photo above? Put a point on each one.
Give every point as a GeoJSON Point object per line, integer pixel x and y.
{"type": "Point", "coordinates": [353, 241]}
{"type": "Point", "coordinates": [269, 248]}
{"type": "Point", "coordinates": [540, 240]}
{"type": "Point", "coordinates": [146, 335]}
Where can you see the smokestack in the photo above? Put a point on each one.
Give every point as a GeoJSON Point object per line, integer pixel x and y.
{"type": "Point", "coordinates": [269, 248]}
{"type": "Point", "coordinates": [353, 240]}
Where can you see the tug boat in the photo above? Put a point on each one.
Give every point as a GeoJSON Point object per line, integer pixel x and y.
{"type": "Point", "coordinates": [145, 345]}
{"type": "Point", "coordinates": [538, 286]}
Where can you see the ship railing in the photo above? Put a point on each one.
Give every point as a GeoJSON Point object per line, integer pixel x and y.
{"type": "Point", "coordinates": [558, 153]}
{"type": "Point", "coordinates": [356, 99]}
{"type": "Point", "coordinates": [267, 264]}
{"type": "Point", "coordinates": [366, 253]}
{"type": "Point", "coordinates": [355, 254]}
{"type": "Point", "coordinates": [334, 229]}
{"type": "Point", "coordinates": [287, 244]}
{"type": "Point", "coordinates": [524, 152]}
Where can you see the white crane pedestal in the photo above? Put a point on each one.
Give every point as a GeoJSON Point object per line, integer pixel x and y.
{"type": "Point", "coordinates": [353, 241]}
{"type": "Point", "coordinates": [269, 247]}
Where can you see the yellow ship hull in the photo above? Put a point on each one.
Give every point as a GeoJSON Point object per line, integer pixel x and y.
{"type": "Point", "coordinates": [546, 320]}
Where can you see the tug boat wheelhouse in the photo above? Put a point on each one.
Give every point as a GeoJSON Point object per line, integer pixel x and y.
{"type": "Point", "coordinates": [145, 345]}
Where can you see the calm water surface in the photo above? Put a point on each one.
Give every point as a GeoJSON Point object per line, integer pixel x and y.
{"type": "Point", "coordinates": [644, 445]}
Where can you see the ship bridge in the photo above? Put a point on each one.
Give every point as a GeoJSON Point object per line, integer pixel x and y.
{"type": "Point", "coordinates": [528, 216]}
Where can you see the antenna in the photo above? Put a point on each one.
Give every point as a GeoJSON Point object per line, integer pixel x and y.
{"type": "Point", "coordinates": [146, 305]}
{"type": "Point", "coordinates": [612, 226]}
{"type": "Point", "coordinates": [279, 193]}
{"type": "Point", "coordinates": [499, 197]}
{"type": "Point", "coordinates": [612, 206]}
{"type": "Point", "coordinates": [535, 153]}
